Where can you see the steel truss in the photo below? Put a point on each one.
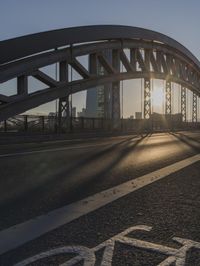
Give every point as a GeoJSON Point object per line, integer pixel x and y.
{"type": "Point", "coordinates": [183, 103]}
{"type": "Point", "coordinates": [168, 98]}
{"type": "Point", "coordinates": [116, 90]}
{"type": "Point", "coordinates": [63, 106]}
{"type": "Point", "coordinates": [63, 113]}
{"type": "Point", "coordinates": [194, 107]}
{"type": "Point", "coordinates": [151, 56]}
{"type": "Point", "coordinates": [147, 98]}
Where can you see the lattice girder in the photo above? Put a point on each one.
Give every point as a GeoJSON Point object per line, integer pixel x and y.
{"type": "Point", "coordinates": [153, 55]}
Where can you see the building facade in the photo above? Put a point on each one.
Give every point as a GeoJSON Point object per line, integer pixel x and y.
{"type": "Point", "coordinates": [99, 99]}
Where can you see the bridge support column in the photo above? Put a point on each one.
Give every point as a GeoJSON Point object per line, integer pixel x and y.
{"type": "Point", "coordinates": [183, 103]}
{"type": "Point", "coordinates": [198, 109]}
{"type": "Point", "coordinates": [22, 85]}
{"type": "Point", "coordinates": [194, 108]}
{"type": "Point", "coordinates": [63, 106]}
{"type": "Point", "coordinates": [116, 92]}
{"type": "Point", "coordinates": [63, 113]}
{"type": "Point", "coordinates": [93, 64]}
{"type": "Point", "coordinates": [147, 98]}
{"type": "Point", "coordinates": [168, 98]}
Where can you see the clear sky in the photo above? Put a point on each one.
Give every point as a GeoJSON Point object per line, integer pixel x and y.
{"type": "Point", "coordinates": [178, 19]}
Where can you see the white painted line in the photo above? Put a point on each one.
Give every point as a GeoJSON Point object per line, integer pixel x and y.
{"type": "Point", "coordinates": [87, 255]}
{"type": "Point", "coordinates": [64, 148]}
{"type": "Point", "coordinates": [70, 140]}
{"type": "Point", "coordinates": [15, 236]}
{"type": "Point", "coordinates": [54, 149]}
{"type": "Point", "coordinates": [47, 141]}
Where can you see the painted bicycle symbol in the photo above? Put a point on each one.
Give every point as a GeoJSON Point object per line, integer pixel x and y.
{"type": "Point", "coordinates": [175, 256]}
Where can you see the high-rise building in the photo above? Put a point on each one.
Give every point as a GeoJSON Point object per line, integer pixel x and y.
{"type": "Point", "coordinates": [73, 111]}
{"type": "Point", "coordinates": [82, 113]}
{"type": "Point", "coordinates": [138, 115]}
{"type": "Point", "coordinates": [98, 99]}
{"type": "Point", "coordinates": [91, 102]}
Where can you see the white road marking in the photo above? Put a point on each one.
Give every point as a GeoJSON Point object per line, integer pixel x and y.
{"type": "Point", "coordinates": [49, 141]}
{"type": "Point", "coordinates": [54, 149]}
{"type": "Point", "coordinates": [87, 255]}
{"type": "Point", "coordinates": [70, 140]}
{"type": "Point", "coordinates": [134, 137]}
{"type": "Point", "coordinates": [20, 234]}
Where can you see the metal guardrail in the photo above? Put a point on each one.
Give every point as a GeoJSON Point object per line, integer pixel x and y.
{"type": "Point", "coordinates": [49, 124]}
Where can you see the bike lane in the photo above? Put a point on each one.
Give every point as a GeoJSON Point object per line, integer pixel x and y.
{"type": "Point", "coordinates": [162, 211]}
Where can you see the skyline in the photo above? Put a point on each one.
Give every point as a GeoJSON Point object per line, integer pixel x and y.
{"type": "Point", "coordinates": [145, 14]}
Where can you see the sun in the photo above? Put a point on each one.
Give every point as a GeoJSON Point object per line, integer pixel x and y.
{"type": "Point", "coordinates": [158, 99]}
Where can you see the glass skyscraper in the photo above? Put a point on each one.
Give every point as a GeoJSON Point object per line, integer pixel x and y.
{"type": "Point", "coordinates": [98, 99]}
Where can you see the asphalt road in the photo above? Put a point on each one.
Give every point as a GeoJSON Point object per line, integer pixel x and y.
{"type": "Point", "coordinates": [39, 178]}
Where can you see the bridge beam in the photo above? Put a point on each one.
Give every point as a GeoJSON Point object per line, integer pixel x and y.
{"type": "Point", "coordinates": [116, 91]}
{"type": "Point", "coordinates": [147, 98]}
{"type": "Point", "coordinates": [194, 107]}
{"type": "Point", "coordinates": [93, 63]}
{"type": "Point", "coordinates": [22, 85]}
{"type": "Point", "coordinates": [168, 98]}
{"type": "Point", "coordinates": [183, 103]}
{"type": "Point", "coordinates": [63, 106]}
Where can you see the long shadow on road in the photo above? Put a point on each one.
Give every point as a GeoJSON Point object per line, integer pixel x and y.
{"type": "Point", "coordinates": [63, 189]}
{"type": "Point", "coordinates": [191, 142]}
{"type": "Point", "coordinates": [42, 177]}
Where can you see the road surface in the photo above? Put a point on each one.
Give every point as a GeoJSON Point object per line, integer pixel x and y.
{"type": "Point", "coordinates": [67, 198]}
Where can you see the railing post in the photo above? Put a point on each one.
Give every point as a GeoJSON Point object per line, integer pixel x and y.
{"type": "Point", "coordinates": [93, 123]}
{"type": "Point", "coordinates": [102, 124]}
{"type": "Point", "coordinates": [5, 125]}
{"type": "Point", "coordinates": [82, 122]}
{"type": "Point", "coordinates": [42, 122]}
{"type": "Point", "coordinates": [25, 122]}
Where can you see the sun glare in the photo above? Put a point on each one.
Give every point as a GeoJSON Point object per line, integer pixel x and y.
{"type": "Point", "coordinates": [158, 99]}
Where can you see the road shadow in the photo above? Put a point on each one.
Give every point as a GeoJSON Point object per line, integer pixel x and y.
{"type": "Point", "coordinates": [189, 141]}
{"type": "Point", "coordinates": [62, 189]}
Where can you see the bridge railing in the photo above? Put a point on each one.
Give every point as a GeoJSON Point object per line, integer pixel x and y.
{"type": "Point", "coordinates": [49, 124]}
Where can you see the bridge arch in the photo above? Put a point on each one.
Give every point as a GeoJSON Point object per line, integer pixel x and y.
{"type": "Point", "coordinates": [143, 53]}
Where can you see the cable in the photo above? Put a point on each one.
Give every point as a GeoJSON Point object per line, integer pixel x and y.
{"type": "Point", "coordinates": [56, 103]}
{"type": "Point", "coordinates": [122, 96]}
{"type": "Point", "coordinates": [152, 92]}
{"type": "Point", "coordinates": [71, 77]}
{"type": "Point", "coordinates": [172, 98]}
{"type": "Point", "coordinates": [56, 76]}
{"type": "Point", "coordinates": [179, 98]}
{"type": "Point", "coordinates": [187, 109]}
{"type": "Point", "coordinates": [141, 83]}
{"type": "Point", "coordinates": [164, 96]}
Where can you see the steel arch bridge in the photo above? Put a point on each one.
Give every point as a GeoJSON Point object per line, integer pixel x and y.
{"type": "Point", "coordinates": [144, 54]}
